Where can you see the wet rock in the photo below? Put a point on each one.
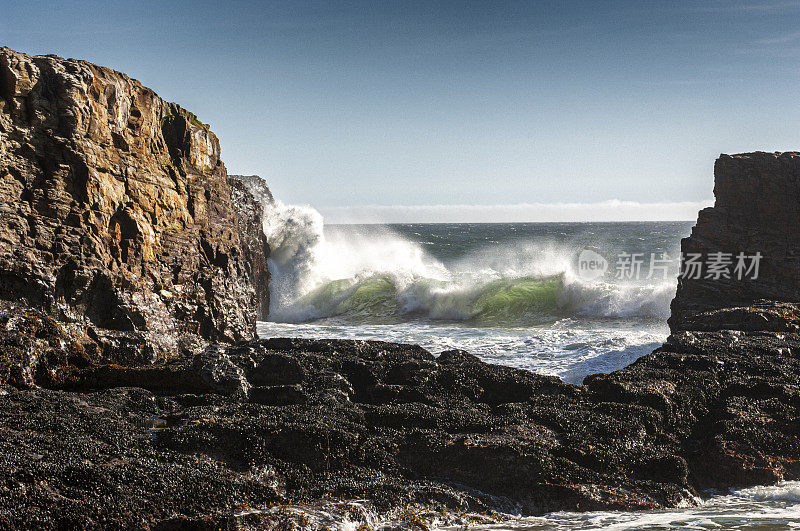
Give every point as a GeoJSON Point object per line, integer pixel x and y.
{"type": "Point", "coordinates": [278, 395]}
{"type": "Point", "coordinates": [37, 350]}
{"type": "Point", "coordinates": [760, 316]}
{"type": "Point", "coordinates": [397, 425]}
{"type": "Point", "coordinates": [217, 371]}
{"type": "Point", "coordinates": [277, 369]}
{"type": "Point", "coordinates": [88, 461]}
{"type": "Point", "coordinates": [250, 195]}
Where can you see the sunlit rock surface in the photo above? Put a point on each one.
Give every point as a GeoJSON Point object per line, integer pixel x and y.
{"type": "Point", "coordinates": [115, 209]}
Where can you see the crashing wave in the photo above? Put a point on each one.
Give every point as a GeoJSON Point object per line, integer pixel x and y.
{"type": "Point", "coordinates": [375, 275]}
{"type": "Point", "coordinates": [504, 301]}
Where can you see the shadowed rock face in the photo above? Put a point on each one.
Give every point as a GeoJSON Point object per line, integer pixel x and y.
{"type": "Point", "coordinates": [757, 209]}
{"type": "Point", "coordinates": [115, 209]}
{"type": "Point", "coordinates": [250, 196]}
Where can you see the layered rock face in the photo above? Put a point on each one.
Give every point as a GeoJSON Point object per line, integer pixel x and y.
{"type": "Point", "coordinates": [756, 211]}
{"type": "Point", "coordinates": [116, 210]}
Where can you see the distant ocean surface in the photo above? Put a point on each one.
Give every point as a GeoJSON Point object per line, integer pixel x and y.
{"type": "Point", "coordinates": [513, 294]}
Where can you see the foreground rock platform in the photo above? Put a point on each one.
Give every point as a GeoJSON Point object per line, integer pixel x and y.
{"type": "Point", "coordinates": [231, 434]}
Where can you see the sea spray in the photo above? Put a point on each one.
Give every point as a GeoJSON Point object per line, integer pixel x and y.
{"type": "Point", "coordinates": [375, 274]}
{"type": "Point", "coordinates": [313, 273]}
{"type": "Point", "coordinates": [294, 234]}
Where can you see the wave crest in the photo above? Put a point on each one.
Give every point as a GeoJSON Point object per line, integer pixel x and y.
{"type": "Point", "coordinates": [507, 301]}
{"type": "Point", "coordinates": [372, 274]}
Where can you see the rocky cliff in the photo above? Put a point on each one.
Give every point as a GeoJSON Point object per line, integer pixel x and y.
{"type": "Point", "coordinates": [116, 210]}
{"type": "Point", "coordinates": [757, 211]}
{"type": "Point", "coordinates": [120, 227]}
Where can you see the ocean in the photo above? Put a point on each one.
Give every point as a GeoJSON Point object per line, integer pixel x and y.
{"type": "Point", "coordinates": [564, 299]}
{"type": "Point", "coordinates": [509, 293]}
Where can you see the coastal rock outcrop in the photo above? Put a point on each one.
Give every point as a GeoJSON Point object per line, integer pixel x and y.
{"type": "Point", "coordinates": [756, 212]}
{"type": "Point", "coordinates": [236, 433]}
{"type": "Point", "coordinates": [116, 211]}
{"type": "Point", "coordinates": [250, 196]}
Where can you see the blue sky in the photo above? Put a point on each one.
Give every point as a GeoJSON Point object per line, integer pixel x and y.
{"type": "Point", "coordinates": [355, 104]}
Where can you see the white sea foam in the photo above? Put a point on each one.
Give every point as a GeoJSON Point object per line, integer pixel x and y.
{"type": "Point", "coordinates": [565, 348]}
{"type": "Point", "coordinates": [766, 507]}
{"type": "Point", "coordinates": [784, 491]}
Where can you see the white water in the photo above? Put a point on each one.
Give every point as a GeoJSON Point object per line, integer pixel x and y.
{"type": "Point", "coordinates": [774, 507]}
{"type": "Point", "coordinates": [506, 295]}
{"type": "Point", "coordinates": [763, 508]}
{"type": "Point", "coordinates": [567, 349]}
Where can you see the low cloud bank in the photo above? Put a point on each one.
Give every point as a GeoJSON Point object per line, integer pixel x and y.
{"type": "Point", "coordinates": [612, 210]}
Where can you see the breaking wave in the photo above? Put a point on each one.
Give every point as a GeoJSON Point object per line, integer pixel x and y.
{"type": "Point", "coordinates": [375, 275]}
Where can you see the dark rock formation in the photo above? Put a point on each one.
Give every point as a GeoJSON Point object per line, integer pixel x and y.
{"type": "Point", "coordinates": [756, 211]}
{"type": "Point", "coordinates": [288, 421]}
{"type": "Point", "coordinates": [250, 196]}
{"type": "Point", "coordinates": [115, 210]}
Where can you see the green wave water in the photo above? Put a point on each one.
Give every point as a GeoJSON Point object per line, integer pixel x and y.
{"type": "Point", "coordinates": [381, 298]}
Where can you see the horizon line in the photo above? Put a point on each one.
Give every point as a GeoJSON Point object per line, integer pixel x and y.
{"type": "Point", "coordinates": [509, 222]}
{"type": "Point", "coordinates": [610, 211]}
